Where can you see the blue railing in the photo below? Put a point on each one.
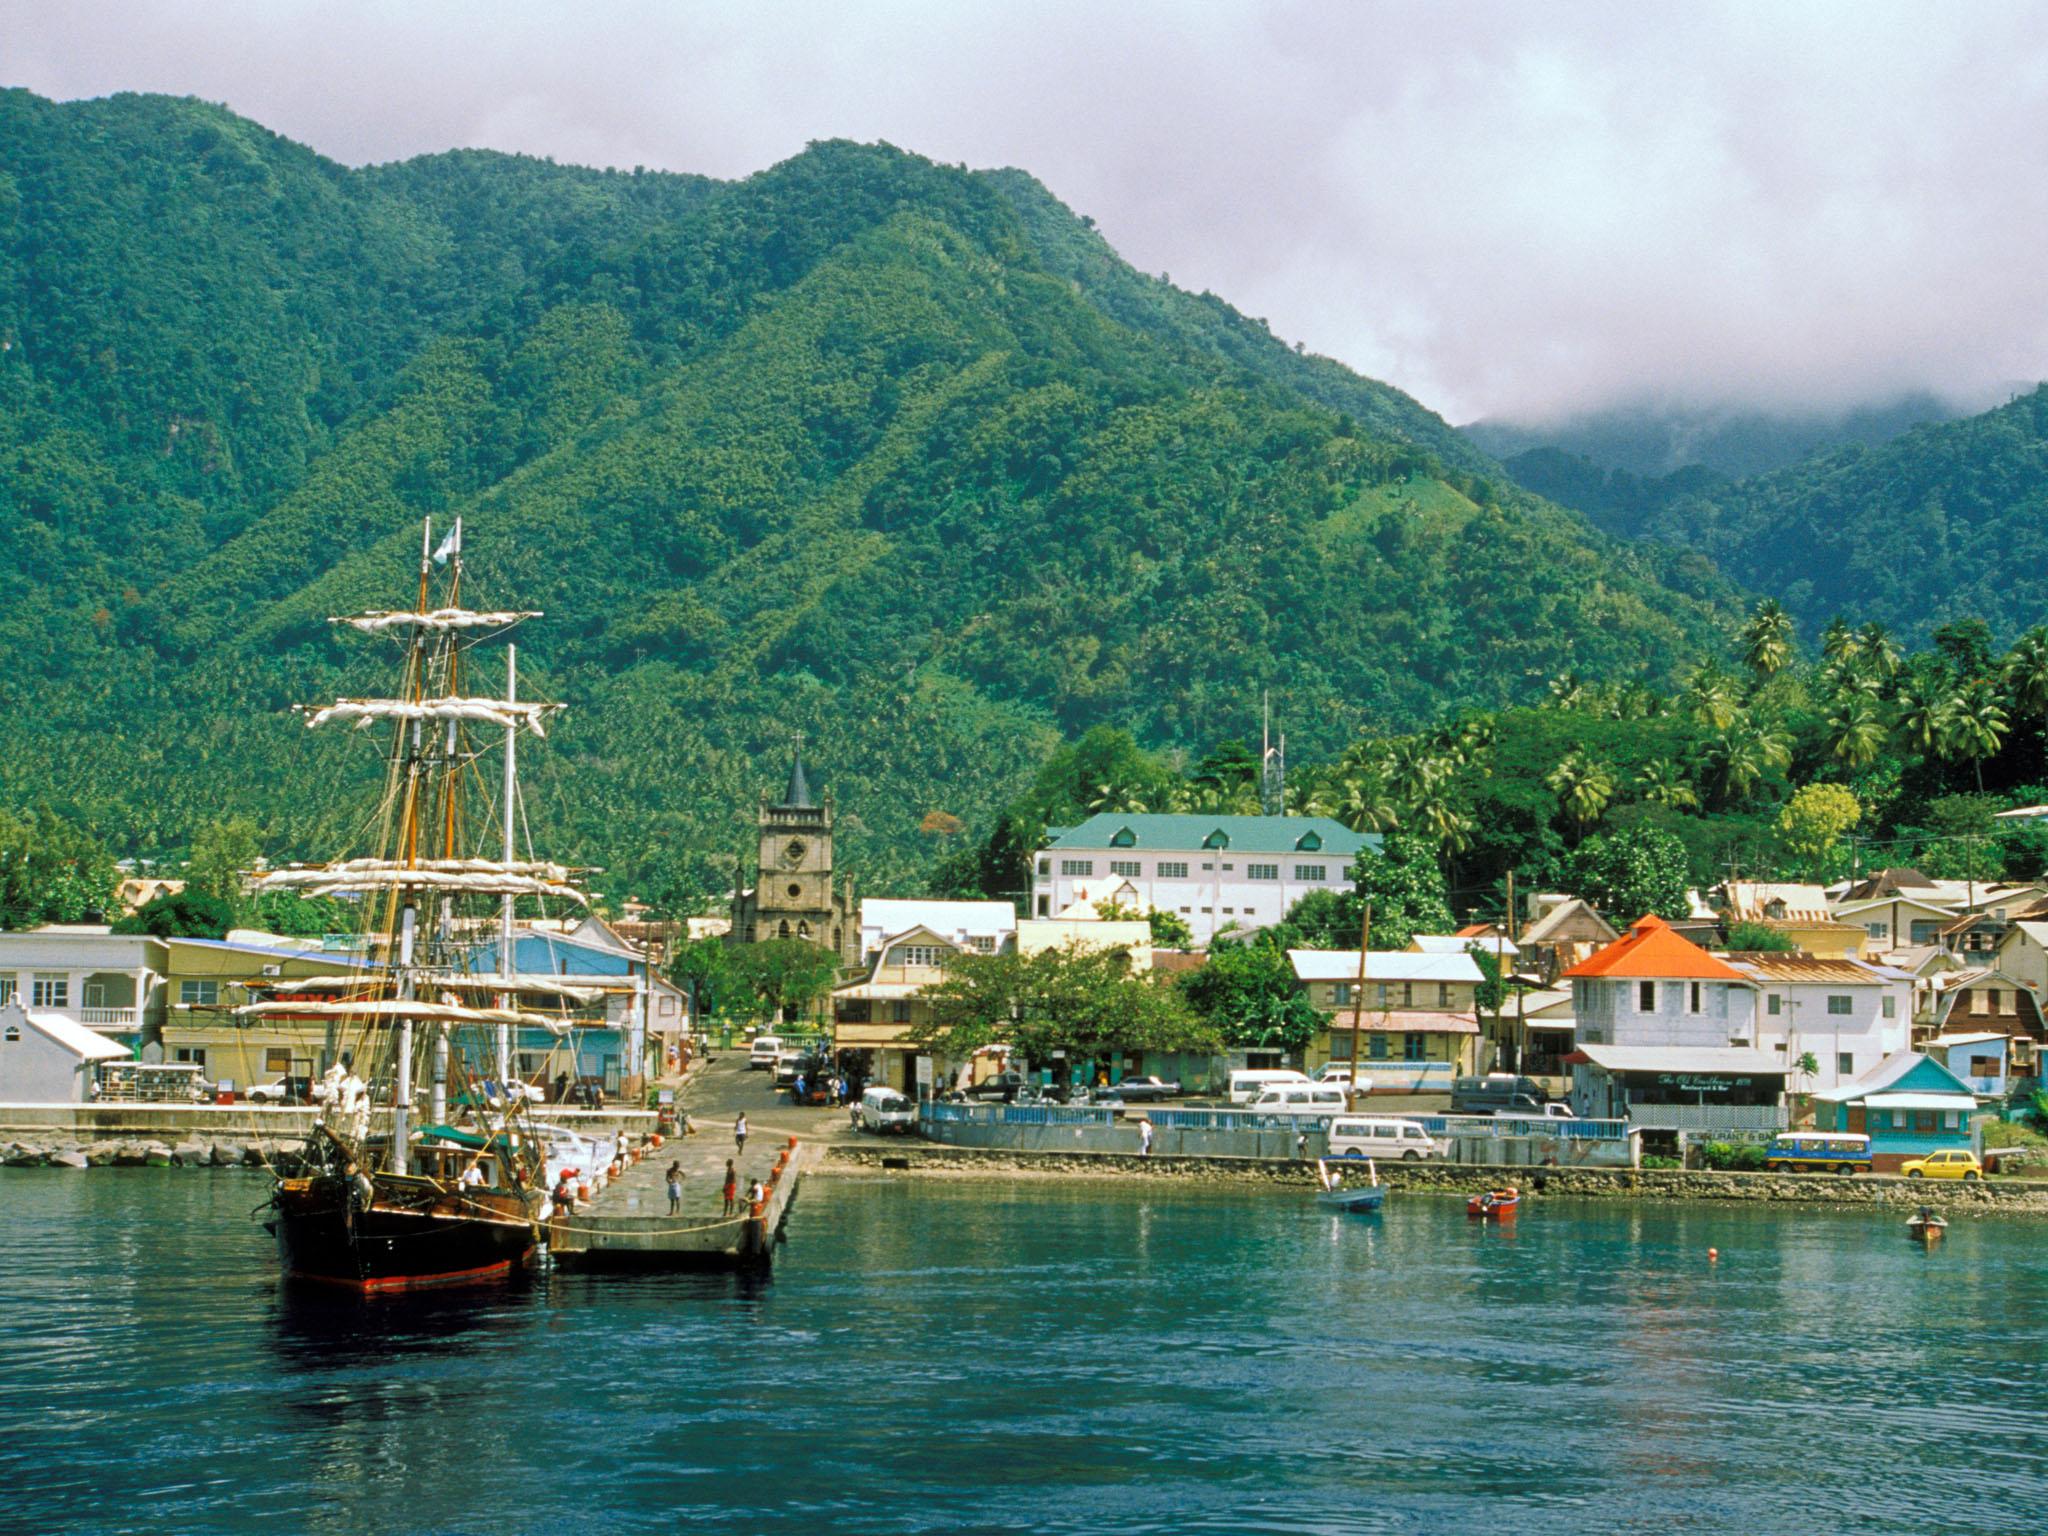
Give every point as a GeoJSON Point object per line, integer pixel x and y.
{"type": "Point", "coordinates": [1017, 1114]}
{"type": "Point", "coordinates": [1530, 1125]}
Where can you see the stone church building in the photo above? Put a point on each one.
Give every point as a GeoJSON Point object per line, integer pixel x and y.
{"type": "Point", "coordinates": [795, 894]}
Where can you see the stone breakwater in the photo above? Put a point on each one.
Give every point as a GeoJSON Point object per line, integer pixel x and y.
{"type": "Point", "coordinates": [139, 1152]}
{"type": "Point", "coordinates": [1987, 1196]}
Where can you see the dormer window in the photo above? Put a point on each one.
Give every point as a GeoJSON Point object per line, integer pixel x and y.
{"type": "Point", "coordinates": [1217, 839]}
{"type": "Point", "coordinates": [1123, 837]}
{"type": "Point", "coordinates": [1308, 842]}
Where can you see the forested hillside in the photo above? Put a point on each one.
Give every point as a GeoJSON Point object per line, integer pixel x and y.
{"type": "Point", "coordinates": [1945, 522]}
{"type": "Point", "coordinates": [893, 453]}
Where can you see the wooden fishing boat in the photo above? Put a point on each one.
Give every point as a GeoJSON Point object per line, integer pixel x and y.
{"type": "Point", "coordinates": [1923, 1226]}
{"type": "Point", "coordinates": [1358, 1199]}
{"type": "Point", "coordinates": [1495, 1204]}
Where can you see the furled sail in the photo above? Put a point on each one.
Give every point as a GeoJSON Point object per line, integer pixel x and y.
{"type": "Point", "coordinates": [532, 986]}
{"type": "Point", "coordinates": [400, 1008]}
{"type": "Point", "coordinates": [539, 869]}
{"type": "Point", "coordinates": [329, 882]}
{"type": "Point", "coordinates": [440, 620]}
{"type": "Point", "coordinates": [500, 712]}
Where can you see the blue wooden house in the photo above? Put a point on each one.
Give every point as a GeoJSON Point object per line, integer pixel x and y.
{"type": "Point", "coordinates": [1908, 1105]}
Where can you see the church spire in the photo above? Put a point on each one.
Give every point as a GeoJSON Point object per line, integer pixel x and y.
{"type": "Point", "coordinates": [798, 795]}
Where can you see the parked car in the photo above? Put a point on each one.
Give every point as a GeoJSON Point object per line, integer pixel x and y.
{"type": "Point", "coordinates": [286, 1090]}
{"type": "Point", "coordinates": [1139, 1090]}
{"type": "Point", "coordinates": [1495, 1092]}
{"type": "Point", "coordinates": [762, 1053]}
{"type": "Point", "coordinates": [1004, 1085]}
{"type": "Point", "coordinates": [1951, 1164]}
{"type": "Point", "coordinates": [1340, 1074]}
{"type": "Point", "coordinates": [885, 1111]}
{"type": "Point", "coordinates": [1549, 1109]}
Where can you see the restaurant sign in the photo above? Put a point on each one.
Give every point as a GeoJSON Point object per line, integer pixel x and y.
{"type": "Point", "coordinates": [1689, 1082]}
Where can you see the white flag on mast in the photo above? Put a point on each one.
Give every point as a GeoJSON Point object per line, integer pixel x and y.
{"type": "Point", "coordinates": [452, 545]}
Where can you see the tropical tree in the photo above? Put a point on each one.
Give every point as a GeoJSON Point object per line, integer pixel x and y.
{"type": "Point", "coordinates": [223, 854]}
{"type": "Point", "coordinates": [1664, 782]}
{"type": "Point", "coordinates": [1745, 753]}
{"type": "Point", "coordinates": [1248, 995]}
{"type": "Point", "coordinates": [1814, 819]}
{"type": "Point", "coordinates": [186, 914]}
{"type": "Point", "coordinates": [1924, 702]}
{"type": "Point", "coordinates": [1976, 726]}
{"type": "Point", "coordinates": [1711, 697]}
{"type": "Point", "coordinates": [1878, 651]}
{"type": "Point", "coordinates": [1632, 874]}
{"type": "Point", "coordinates": [1767, 640]}
{"type": "Point", "coordinates": [1841, 643]}
{"type": "Point", "coordinates": [1078, 1000]}
{"type": "Point", "coordinates": [1583, 788]}
{"type": "Point", "coordinates": [1855, 730]}
{"type": "Point", "coordinates": [1405, 885]}
{"type": "Point", "coordinates": [2025, 674]}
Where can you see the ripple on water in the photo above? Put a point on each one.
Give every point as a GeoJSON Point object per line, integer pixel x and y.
{"type": "Point", "coordinates": [961, 1356]}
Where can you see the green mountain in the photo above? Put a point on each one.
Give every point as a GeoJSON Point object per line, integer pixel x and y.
{"type": "Point", "coordinates": [1947, 521]}
{"type": "Point", "coordinates": [893, 453]}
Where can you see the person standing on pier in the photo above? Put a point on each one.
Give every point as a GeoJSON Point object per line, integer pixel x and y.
{"type": "Point", "coordinates": [675, 1188]}
{"type": "Point", "coordinates": [1144, 1138]}
{"type": "Point", "coordinates": [739, 1134]}
{"type": "Point", "coordinates": [732, 1186]}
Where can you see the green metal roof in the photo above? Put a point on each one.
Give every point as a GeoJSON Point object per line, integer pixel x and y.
{"type": "Point", "coordinates": [1238, 834]}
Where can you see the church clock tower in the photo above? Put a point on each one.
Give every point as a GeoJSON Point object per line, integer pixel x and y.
{"type": "Point", "coordinates": [795, 895]}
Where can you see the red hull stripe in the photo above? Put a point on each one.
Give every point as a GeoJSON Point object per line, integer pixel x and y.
{"type": "Point", "coordinates": [407, 1282]}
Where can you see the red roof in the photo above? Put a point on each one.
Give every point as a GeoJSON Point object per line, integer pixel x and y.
{"type": "Point", "coordinates": [1651, 949]}
{"type": "Point", "coordinates": [1474, 931]}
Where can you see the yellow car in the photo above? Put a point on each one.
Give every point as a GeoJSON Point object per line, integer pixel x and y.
{"type": "Point", "coordinates": [1944, 1165]}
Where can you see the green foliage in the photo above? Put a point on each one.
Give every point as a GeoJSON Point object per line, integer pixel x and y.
{"type": "Point", "coordinates": [223, 854]}
{"type": "Point", "coordinates": [187, 914]}
{"type": "Point", "coordinates": [1406, 889]}
{"type": "Point", "coordinates": [1759, 937]}
{"type": "Point", "coordinates": [1169, 929]}
{"type": "Point", "coordinates": [1082, 1001]}
{"type": "Point", "coordinates": [895, 454]}
{"type": "Point", "coordinates": [1813, 822]}
{"type": "Point", "coordinates": [1628, 875]}
{"type": "Point", "coordinates": [288, 912]}
{"type": "Point", "coordinates": [1739, 1157]}
{"type": "Point", "coordinates": [1249, 995]}
{"type": "Point", "coordinates": [782, 977]}
{"type": "Point", "coordinates": [1321, 919]}
{"type": "Point", "coordinates": [52, 870]}
{"type": "Point", "coordinates": [1492, 991]}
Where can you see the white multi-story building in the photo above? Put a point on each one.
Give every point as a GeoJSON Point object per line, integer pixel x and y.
{"type": "Point", "coordinates": [1214, 872]}
{"type": "Point", "coordinates": [978, 926]}
{"type": "Point", "coordinates": [1848, 1015]}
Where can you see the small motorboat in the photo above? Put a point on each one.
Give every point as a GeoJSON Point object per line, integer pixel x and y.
{"type": "Point", "coordinates": [1495, 1204]}
{"type": "Point", "coordinates": [1358, 1198]}
{"type": "Point", "coordinates": [1923, 1226]}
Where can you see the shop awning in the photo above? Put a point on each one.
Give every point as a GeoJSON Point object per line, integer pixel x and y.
{"type": "Point", "coordinates": [1681, 1058]}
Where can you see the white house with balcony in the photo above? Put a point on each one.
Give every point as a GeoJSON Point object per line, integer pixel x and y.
{"type": "Point", "coordinates": [1215, 872]}
{"type": "Point", "coordinates": [1849, 1015]}
{"type": "Point", "coordinates": [109, 982]}
{"type": "Point", "coordinates": [979, 927]}
{"type": "Point", "coordinates": [1666, 1038]}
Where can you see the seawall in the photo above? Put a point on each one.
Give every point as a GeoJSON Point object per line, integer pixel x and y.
{"type": "Point", "coordinates": [2029, 1196]}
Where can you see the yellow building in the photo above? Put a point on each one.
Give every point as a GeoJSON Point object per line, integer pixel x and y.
{"type": "Point", "coordinates": [1416, 1021]}
{"type": "Point", "coordinates": [207, 979]}
{"type": "Point", "coordinates": [1799, 912]}
{"type": "Point", "coordinates": [880, 1011]}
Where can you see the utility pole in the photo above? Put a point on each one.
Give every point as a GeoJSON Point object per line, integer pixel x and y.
{"type": "Point", "coordinates": [1358, 1008]}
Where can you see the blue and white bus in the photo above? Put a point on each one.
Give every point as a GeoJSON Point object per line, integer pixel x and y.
{"type": "Point", "coordinates": [1818, 1152]}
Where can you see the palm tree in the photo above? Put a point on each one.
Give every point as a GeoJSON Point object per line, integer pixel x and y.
{"type": "Point", "coordinates": [1664, 783]}
{"type": "Point", "coordinates": [1583, 788]}
{"type": "Point", "coordinates": [1567, 691]}
{"type": "Point", "coordinates": [1879, 653]}
{"type": "Point", "coordinates": [1840, 643]}
{"type": "Point", "coordinates": [2025, 673]}
{"type": "Point", "coordinates": [1363, 804]}
{"type": "Point", "coordinates": [1924, 703]}
{"type": "Point", "coordinates": [1746, 752]}
{"type": "Point", "coordinates": [1977, 725]}
{"type": "Point", "coordinates": [1711, 697]}
{"type": "Point", "coordinates": [1442, 821]}
{"type": "Point", "coordinates": [1115, 797]}
{"type": "Point", "coordinates": [1767, 639]}
{"type": "Point", "coordinates": [1855, 730]}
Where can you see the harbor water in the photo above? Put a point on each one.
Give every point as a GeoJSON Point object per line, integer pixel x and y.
{"type": "Point", "coordinates": [933, 1355]}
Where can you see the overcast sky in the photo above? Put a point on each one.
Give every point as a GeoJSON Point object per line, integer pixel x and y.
{"type": "Point", "coordinates": [1512, 210]}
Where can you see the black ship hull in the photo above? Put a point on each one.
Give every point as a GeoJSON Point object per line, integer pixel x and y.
{"type": "Point", "coordinates": [327, 1237]}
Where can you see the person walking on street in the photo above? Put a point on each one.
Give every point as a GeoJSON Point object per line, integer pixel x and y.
{"type": "Point", "coordinates": [675, 1188]}
{"type": "Point", "coordinates": [1144, 1138]}
{"type": "Point", "coordinates": [739, 1134]}
{"type": "Point", "coordinates": [732, 1186]}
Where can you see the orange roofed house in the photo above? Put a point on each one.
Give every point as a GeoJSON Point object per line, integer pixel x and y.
{"type": "Point", "coordinates": [1667, 1037]}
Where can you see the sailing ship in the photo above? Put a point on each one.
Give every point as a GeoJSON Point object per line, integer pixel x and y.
{"type": "Point", "coordinates": [379, 1199]}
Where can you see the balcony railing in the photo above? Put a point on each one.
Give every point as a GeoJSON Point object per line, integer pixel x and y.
{"type": "Point", "coordinates": [109, 1018]}
{"type": "Point", "coordinates": [1709, 1117]}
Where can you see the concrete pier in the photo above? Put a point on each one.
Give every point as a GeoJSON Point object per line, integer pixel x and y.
{"type": "Point", "coordinates": [627, 1225]}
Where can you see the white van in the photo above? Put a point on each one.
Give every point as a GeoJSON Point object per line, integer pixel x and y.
{"type": "Point", "coordinates": [1382, 1136]}
{"type": "Point", "coordinates": [1248, 1083]}
{"type": "Point", "coordinates": [1302, 1099]}
{"type": "Point", "coordinates": [762, 1053]}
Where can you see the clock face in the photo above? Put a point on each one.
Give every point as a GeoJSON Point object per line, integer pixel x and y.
{"type": "Point", "coordinates": [793, 854]}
